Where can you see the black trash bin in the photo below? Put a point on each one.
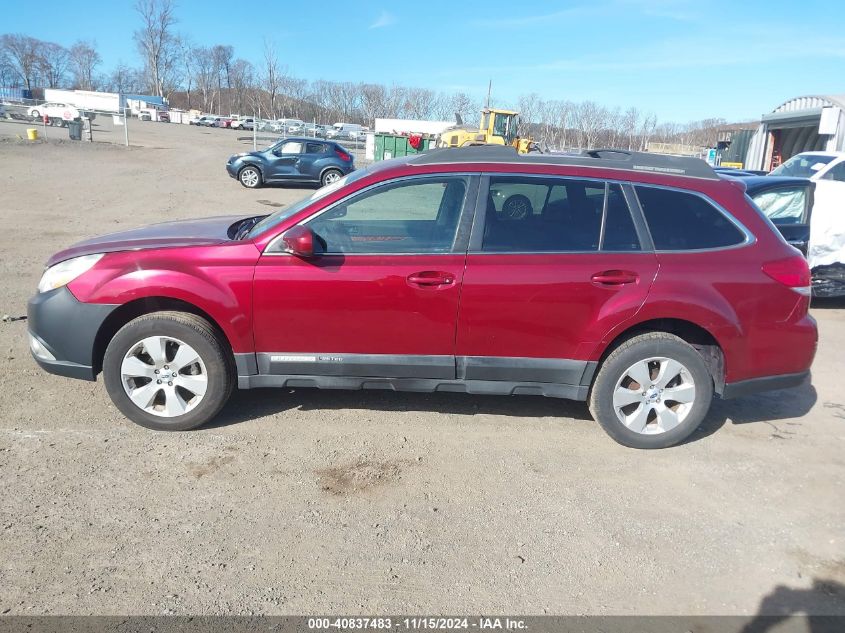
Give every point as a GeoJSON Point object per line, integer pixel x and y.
{"type": "Point", "coordinates": [74, 130]}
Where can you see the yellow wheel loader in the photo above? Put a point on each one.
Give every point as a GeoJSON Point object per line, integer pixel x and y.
{"type": "Point", "coordinates": [498, 127]}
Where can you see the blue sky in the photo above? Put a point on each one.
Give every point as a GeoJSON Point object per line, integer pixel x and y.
{"type": "Point", "coordinates": [681, 59]}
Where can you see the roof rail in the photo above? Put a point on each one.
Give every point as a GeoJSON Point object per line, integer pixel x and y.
{"type": "Point", "coordinates": [606, 158]}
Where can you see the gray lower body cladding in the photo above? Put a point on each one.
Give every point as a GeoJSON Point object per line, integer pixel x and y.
{"type": "Point", "coordinates": [559, 378]}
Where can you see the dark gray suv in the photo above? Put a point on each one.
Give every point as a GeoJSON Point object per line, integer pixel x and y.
{"type": "Point", "coordinates": [292, 160]}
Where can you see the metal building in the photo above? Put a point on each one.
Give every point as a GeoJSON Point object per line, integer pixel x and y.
{"type": "Point", "coordinates": [800, 125]}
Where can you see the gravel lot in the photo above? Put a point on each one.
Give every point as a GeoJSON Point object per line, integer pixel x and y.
{"type": "Point", "coordinates": [370, 502]}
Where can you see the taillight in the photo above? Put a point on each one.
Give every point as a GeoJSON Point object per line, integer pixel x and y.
{"type": "Point", "coordinates": [343, 155]}
{"type": "Point", "coordinates": [793, 272]}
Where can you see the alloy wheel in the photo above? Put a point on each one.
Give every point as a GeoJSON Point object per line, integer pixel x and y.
{"type": "Point", "coordinates": [164, 376]}
{"type": "Point", "coordinates": [654, 395]}
{"type": "Point", "coordinates": [249, 177]}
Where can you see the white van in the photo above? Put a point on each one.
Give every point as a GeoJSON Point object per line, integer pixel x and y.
{"type": "Point", "coordinates": [351, 131]}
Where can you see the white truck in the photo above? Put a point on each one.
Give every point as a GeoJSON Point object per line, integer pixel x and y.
{"type": "Point", "coordinates": [85, 99]}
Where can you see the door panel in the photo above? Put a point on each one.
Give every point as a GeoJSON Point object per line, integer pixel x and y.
{"type": "Point", "coordinates": [284, 161]}
{"type": "Point", "coordinates": [546, 306]}
{"type": "Point", "coordinates": [527, 315]}
{"type": "Point", "coordinates": [380, 298]}
{"type": "Point", "coordinates": [338, 305]}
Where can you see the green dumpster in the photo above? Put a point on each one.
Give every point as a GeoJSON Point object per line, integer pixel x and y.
{"type": "Point", "coordinates": [389, 146]}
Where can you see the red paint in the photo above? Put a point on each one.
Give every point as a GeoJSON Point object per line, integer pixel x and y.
{"type": "Point", "coordinates": [544, 306]}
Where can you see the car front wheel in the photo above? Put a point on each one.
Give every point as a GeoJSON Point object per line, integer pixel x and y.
{"type": "Point", "coordinates": [250, 177]}
{"type": "Point", "coordinates": [652, 391]}
{"type": "Point", "coordinates": [168, 371]}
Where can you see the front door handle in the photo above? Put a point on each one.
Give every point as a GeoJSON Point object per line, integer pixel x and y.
{"type": "Point", "coordinates": [428, 278]}
{"type": "Point", "coordinates": [615, 277]}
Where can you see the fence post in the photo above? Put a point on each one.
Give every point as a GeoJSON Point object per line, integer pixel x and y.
{"type": "Point", "coordinates": [126, 126]}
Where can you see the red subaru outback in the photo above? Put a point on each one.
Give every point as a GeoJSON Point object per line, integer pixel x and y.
{"type": "Point", "coordinates": [638, 282]}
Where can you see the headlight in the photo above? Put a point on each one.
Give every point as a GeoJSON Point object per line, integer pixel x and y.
{"type": "Point", "coordinates": [64, 272]}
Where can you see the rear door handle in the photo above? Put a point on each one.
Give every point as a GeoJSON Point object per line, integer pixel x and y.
{"type": "Point", "coordinates": [615, 277]}
{"type": "Point", "coordinates": [428, 278]}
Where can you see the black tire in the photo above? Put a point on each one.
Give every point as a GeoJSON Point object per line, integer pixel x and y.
{"type": "Point", "coordinates": [36, 114]}
{"type": "Point", "coordinates": [328, 175]}
{"type": "Point", "coordinates": [614, 368]}
{"type": "Point", "coordinates": [196, 332]}
{"type": "Point", "coordinates": [254, 184]}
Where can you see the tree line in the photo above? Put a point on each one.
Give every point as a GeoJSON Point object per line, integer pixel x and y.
{"type": "Point", "coordinates": [214, 79]}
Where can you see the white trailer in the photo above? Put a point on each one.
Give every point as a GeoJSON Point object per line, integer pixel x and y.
{"type": "Point", "coordinates": [85, 99]}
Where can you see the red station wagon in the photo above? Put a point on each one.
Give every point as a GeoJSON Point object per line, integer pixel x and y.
{"type": "Point", "coordinates": [640, 283]}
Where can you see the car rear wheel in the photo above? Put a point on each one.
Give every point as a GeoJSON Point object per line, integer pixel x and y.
{"type": "Point", "coordinates": [652, 391]}
{"type": "Point", "coordinates": [330, 176]}
{"type": "Point", "coordinates": [36, 114]}
{"type": "Point", "coordinates": [168, 371]}
{"type": "Point", "coordinates": [250, 177]}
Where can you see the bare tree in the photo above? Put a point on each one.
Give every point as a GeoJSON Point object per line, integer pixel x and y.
{"type": "Point", "coordinates": [221, 57]}
{"type": "Point", "coordinates": [156, 42]}
{"type": "Point", "coordinates": [271, 78]}
{"type": "Point", "coordinates": [205, 76]}
{"type": "Point", "coordinates": [21, 53]}
{"type": "Point", "coordinates": [529, 107]}
{"type": "Point", "coordinates": [630, 120]}
{"type": "Point", "coordinates": [419, 103]}
{"type": "Point", "coordinates": [589, 118]}
{"type": "Point", "coordinates": [186, 56]}
{"type": "Point", "coordinates": [373, 99]}
{"type": "Point", "coordinates": [242, 77]}
{"type": "Point", "coordinates": [123, 79]}
{"type": "Point", "coordinates": [647, 130]}
{"type": "Point", "coordinates": [84, 58]}
{"type": "Point", "coordinates": [53, 63]}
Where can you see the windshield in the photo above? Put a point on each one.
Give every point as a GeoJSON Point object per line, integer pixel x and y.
{"type": "Point", "coordinates": [803, 165]}
{"type": "Point", "coordinates": [283, 214]}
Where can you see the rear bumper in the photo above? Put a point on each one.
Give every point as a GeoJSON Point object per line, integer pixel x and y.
{"type": "Point", "coordinates": [63, 331]}
{"type": "Point", "coordinates": [764, 383]}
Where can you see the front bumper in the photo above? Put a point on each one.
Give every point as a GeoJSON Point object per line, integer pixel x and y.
{"type": "Point", "coordinates": [231, 170]}
{"type": "Point", "coordinates": [63, 332]}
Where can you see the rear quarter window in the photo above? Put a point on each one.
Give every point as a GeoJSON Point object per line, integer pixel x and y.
{"type": "Point", "coordinates": [680, 221]}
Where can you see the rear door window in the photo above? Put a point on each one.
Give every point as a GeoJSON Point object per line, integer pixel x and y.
{"type": "Point", "coordinates": [315, 148]}
{"type": "Point", "coordinates": [681, 221]}
{"type": "Point", "coordinates": [536, 215]}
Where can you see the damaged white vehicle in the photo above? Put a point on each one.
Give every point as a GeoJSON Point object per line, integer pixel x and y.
{"type": "Point", "coordinates": [824, 220]}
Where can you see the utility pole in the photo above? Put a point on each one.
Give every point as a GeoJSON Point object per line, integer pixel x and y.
{"type": "Point", "coordinates": [489, 90]}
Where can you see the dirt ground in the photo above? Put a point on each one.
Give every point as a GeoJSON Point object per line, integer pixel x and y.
{"type": "Point", "coordinates": [375, 502]}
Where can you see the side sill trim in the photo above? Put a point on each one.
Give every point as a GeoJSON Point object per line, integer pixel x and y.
{"type": "Point", "coordinates": [766, 383]}
{"type": "Point", "coordinates": [425, 385]}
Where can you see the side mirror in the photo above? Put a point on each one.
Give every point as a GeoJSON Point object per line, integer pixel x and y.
{"type": "Point", "coordinates": [299, 241]}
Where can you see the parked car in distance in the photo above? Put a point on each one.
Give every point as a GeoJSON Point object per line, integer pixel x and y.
{"type": "Point", "coordinates": [292, 160]}
{"type": "Point", "coordinates": [208, 120]}
{"type": "Point", "coordinates": [816, 166]}
{"type": "Point", "coordinates": [641, 283]}
{"type": "Point", "coordinates": [243, 123]}
{"type": "Point", "coordinates": [59, 113]}
{"type": "Point", "coordinates": [350, 131]}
